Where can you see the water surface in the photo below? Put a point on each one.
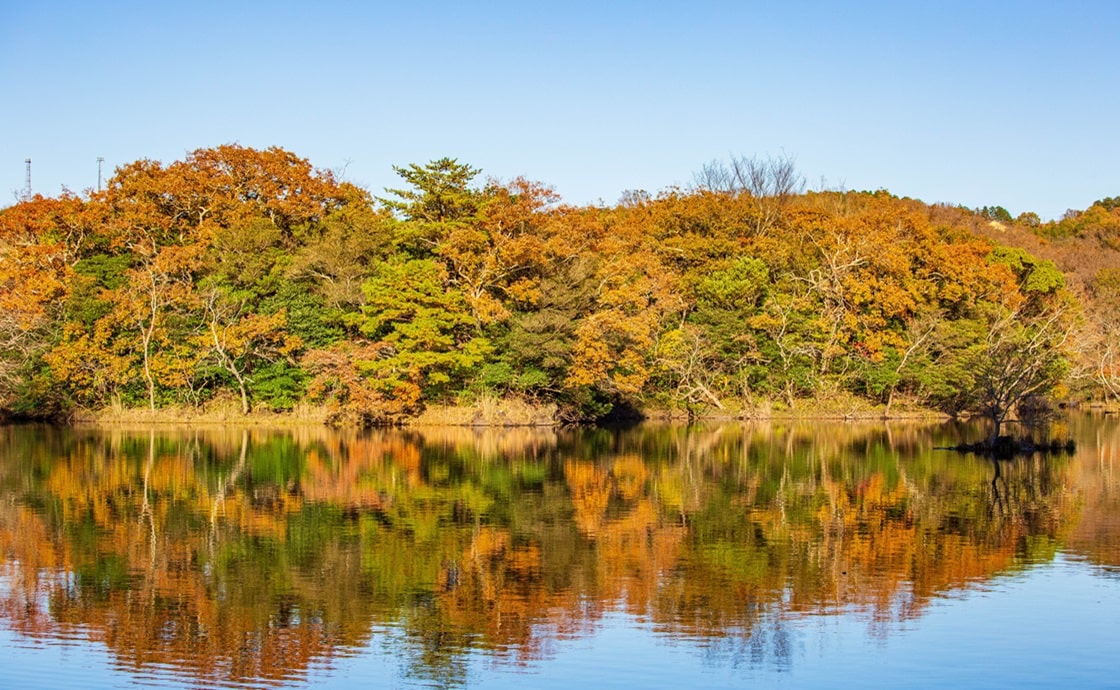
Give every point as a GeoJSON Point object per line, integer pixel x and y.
{"type": "Point", "coordinates": [796, 555]}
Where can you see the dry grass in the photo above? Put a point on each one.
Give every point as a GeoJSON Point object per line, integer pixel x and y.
{"type": "Point", "coordinates": [488, 411]}
{"type": "Point", "coordinates": [838, 405]}
{"type": "Point", "coordinates": [224, 412]}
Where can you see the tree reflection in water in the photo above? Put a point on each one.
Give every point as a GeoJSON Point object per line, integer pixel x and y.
{"type": "Point", "coordinates": [249, 555]}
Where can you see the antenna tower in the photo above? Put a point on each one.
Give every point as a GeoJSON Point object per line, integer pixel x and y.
{"type": "Point", "coordinates": [100, 160]}
{"type": "Point", "coordinates": [27, 182]}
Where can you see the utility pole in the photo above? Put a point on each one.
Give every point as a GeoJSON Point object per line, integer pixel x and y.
{"type": "Point", "coordinates": [100, 160]}
{"type": "Point", "coordinates": [27, 182]}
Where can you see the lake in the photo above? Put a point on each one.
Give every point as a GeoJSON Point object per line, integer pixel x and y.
{"type": "Point", "coordinates": [778, 554]}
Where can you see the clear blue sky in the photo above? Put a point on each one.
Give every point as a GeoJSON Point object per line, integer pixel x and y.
{"type": "Point", "coordinates": [974, 103]}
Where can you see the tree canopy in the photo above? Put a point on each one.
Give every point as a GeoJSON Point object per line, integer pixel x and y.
{"type": "Point", "coordinates": [250, 276]}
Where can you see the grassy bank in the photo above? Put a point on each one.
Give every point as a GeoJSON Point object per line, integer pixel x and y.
{"type": "Point", "coordinates": [494, 411]}
{"type": "Point", "coordinates": [221, 412]}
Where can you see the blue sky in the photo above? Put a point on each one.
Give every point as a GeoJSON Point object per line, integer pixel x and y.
{"type": "Point", "coordinates": [974, 103]}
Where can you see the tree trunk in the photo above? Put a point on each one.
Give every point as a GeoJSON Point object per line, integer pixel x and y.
{"type": "Point", "coordinates": [230, 365]}
{"type": "Point", "coordinates": [149, 333]}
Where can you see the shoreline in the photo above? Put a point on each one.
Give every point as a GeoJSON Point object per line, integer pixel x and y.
{"type": "Point", "coordinates": [494, 413]}
{"type": "Point", "coordinates": [474, 417]}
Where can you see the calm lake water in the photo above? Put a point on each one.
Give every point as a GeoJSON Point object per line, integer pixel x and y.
{"type": "Point", "coordinates": [764, 555]}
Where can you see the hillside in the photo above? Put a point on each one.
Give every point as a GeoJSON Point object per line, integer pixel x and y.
{"type": "Point", "coordinates": [248, 278]}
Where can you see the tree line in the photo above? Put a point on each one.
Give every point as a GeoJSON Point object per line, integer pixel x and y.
{"type": "Point", "coordinates": [249, 277]}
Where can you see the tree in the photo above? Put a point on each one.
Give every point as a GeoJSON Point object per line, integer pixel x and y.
{"type": "Point", "coordinates": [708, 356]}
{"type": "Point", "coordinates": [142, 332]}
{"type": "Point", "coordinates": [536, 348]}
{"type": "Point", "coordinates": [417, 342]}
{"type": "Point", "coordinates": [920, 331]}
{"type": "Point", "coordinates": [36, 255]}
{"type": "Point", "coordinates": [687, 359]}
{"type": "Point", "coordinates": [1023, 356]}
{"type": "Point", "coordinates": [501, 253]}
{"type": "Point", "coordinates": [440, 198]}
{"type": "Point", "coordinates": [635, 296]}
{"type": "Point", "coordinates": [996, 213]}
{"type": "Point", "coordinates": [242, 342]}
{"type": "Point", "coordinates": [1102, 331]}
{"type": "Point", "coordinates": [1109, 203]}
{"type": "Point", "coordinates": [337, 255]}
{"type": "Point", "coordinates": [250, 272]}
{"type": "Point", "coordinates": [344, 377]}
{"type": "Point", "coordinates": [229, 185]}
{"type": "Point", "coordinates": [1038, 279]}
{"type": "Point", "coordinates": [769, 183]}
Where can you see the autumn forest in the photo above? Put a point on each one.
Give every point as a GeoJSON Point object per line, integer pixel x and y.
{"type": "Point", "coordinates": [248, 280]}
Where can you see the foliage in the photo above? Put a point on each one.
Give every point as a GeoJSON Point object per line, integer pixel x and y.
{"type": "Point", "coordinates": [247, 274]}
{"type": "Point", "coordinates": [429, 335]}
{"type": "Point", "coordinates": [997, 213]}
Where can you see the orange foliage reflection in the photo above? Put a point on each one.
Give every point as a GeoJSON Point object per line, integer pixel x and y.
{"type": "Point", "coordinates": [248, 554]}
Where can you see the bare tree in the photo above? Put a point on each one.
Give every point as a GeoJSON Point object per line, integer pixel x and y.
{"type": "Point", "coordinates": [840, 256]}
{"type": "Point", "coordinates": [770, 183]}
{"type": "Point", "coordinates": [713, 177]}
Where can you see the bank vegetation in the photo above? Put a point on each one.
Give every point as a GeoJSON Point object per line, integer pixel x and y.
{"type": "Point", "coordinates": [241, 282]}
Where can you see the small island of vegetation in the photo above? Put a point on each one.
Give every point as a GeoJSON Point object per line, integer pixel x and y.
{"type": "Point", "coordinates": [246, 281]}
